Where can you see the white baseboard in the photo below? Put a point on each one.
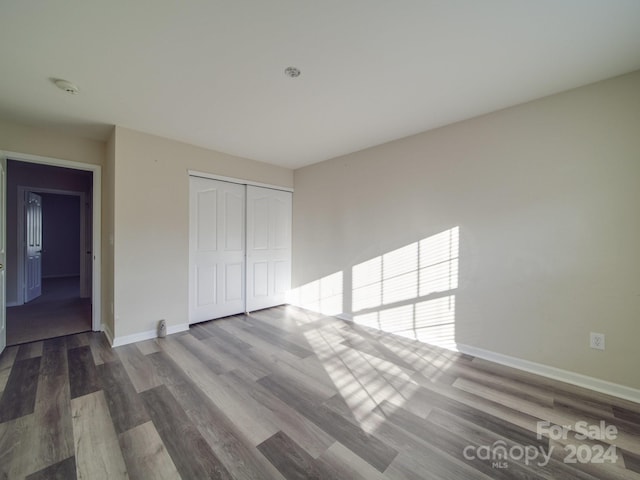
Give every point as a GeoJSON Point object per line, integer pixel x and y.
{"type": "Point", "coordinates": [345, 316]}
{"type": "Point", "coordinates": [602, 386]}
{"type": "Point", "coordinates": [148, 335]}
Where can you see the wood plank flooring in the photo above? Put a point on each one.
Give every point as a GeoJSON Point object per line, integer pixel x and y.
{"type": "Point", "coordinates": [288, 394]}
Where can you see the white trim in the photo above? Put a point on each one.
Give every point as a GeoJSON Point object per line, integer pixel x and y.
{"type": "Point", "coordinates": [96, 239]}
{"type": "Point", "coordinates": [96, 284]}
{"type": "Point", "coordinates": [56, 162]}
{"type": "Point", "coordinates": [345, 316]}
{"type": "Point", "coordinates": [133, 338]}
{"type": "Point", "coordinates": [554, 373]}
{"type": "Point", "coordinates": [195, 173]}
{"type": "Point", "coordinates": [148, 335]}
{"type": "Point", "coordinates": [181, 327]}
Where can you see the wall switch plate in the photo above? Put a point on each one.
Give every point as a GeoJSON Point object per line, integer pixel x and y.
{"type": "Point", "coordinates": [597, 341]}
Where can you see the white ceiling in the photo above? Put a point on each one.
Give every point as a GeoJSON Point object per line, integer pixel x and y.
{"type": "Point", "coordinates": [211, 72]}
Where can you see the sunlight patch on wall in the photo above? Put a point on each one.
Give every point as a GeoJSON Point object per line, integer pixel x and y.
{"type": "Point", "coordinates": [324, 295]}
{"type": "Point", "coordinates": [431, 321]}
{"type": "Point", "coordinates": [367, 284]}
{"type": "Point", "coordinates": [408, 291]}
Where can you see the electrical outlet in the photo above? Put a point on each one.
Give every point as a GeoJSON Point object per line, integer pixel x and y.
{"type": "Point", "coordinates": [597, 341]}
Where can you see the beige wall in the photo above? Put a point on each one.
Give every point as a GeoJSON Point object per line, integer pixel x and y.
{"type": "Point", "coordinates": [546, 196]}
{"type": "Point", "coordinates": [47, 143]}
{"type": "Point", "coordinates": [151, 223]}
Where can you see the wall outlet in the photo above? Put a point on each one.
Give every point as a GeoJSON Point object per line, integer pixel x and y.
{"type": "Point", "coordinates": [597, 341]}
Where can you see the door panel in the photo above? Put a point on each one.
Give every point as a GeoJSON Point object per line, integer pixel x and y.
{"type": "Point", "coordinates": [216, 250]}
{"type": "Point", "coordinates": [234, 222]}
{"type": "Point", "coordinates": [33, 235]}
{"type": "Point", "coordinates": [260, 283]}
{"type": "Point", "coordinates": [282, 223]}
{"type": "Point", "coordinates": [207, 233]}
{"type": "Point", "coordinates": [206, 285]}
{"type": "Point", "coordinates": [282, 276]}
{"type": "Point", "coordinates": [259, 218]}
{"type": "Point", "coordinates": [268, 247]}
{"type": "Point", "coordinates": [233, 287]}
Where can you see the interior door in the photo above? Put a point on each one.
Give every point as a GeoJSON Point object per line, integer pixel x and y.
{"type": "Point", "coordinates": [3, 254]}
{"type": "Point", "coordinates": [268, 247]}
{"type": "Point", "coordinates": [216, 250]}
{"type": "Point", "coordinates": [33, 235]}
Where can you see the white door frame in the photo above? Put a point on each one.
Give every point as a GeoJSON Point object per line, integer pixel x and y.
{"type": "Point", "coordinates": [22, 190]}
{"type": "Point", "coordinates": [96, 294]}
{"type": "Point", "coordinates": [212, 176]}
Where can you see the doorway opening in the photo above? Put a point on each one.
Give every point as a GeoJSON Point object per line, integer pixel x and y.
{"type": "Point", "coordinates": [49, 251]}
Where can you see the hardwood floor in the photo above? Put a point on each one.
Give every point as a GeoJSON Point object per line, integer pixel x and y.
{"type": "Point", "coordinates": [285, 393]}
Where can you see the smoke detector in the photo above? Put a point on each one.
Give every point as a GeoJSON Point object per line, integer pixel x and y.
{"type": "Point", "coordinates": [292, 72]}
{"type": "Point", "coordinates": [67, 86]}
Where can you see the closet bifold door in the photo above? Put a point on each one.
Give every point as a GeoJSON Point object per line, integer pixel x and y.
{"type": "Point", "coordinates": [268, 247]}
{"type": "Point", "coordinates": [216, 249]}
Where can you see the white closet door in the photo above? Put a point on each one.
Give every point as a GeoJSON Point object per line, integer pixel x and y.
{"type": "Point", "coordinates": [216, 250]}
{"type": "Point", "coordinates": [268, 247]}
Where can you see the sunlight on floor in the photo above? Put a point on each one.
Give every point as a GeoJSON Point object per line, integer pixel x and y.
{"type": "Point", "coordinates": [361, 374]}
{"type": "Point", "coordinates": [408, 292]}
{"type": "Point", "coordinates": [362, 379]}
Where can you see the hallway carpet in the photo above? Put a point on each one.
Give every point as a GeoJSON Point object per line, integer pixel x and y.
{"type": "Point", "coordinates": [58, 311]}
